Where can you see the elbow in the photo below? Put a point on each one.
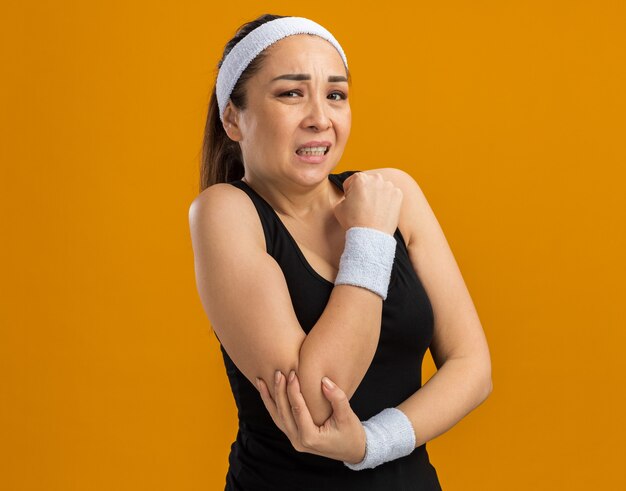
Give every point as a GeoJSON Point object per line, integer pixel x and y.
{"type": "Point", "coordinates": [485, 380]}
{"type": "Point", "coordinates": [309, 380]}
{"type": "Point", "coordinates": [310, 374]}
{"type": "Point", "coordinates": [487, 387]}
{"type": "Point", "coordinates": [318, 405]}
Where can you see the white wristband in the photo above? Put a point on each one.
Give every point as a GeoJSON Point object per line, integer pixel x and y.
{"type": "Point", "coordinates": [389, 436]}
{"type": "Point", "coordinates": [367, 259]}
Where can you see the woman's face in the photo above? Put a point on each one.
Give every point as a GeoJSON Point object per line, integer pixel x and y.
{"type": "Point", "coordinates": [284, 114]}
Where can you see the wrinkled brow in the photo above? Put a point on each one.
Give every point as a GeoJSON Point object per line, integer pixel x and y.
{"type": "Point", "coordinates": [306, 76]}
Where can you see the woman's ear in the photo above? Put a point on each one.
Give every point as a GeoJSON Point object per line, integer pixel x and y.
{"type": "Point", "coordinates": [231, 126]}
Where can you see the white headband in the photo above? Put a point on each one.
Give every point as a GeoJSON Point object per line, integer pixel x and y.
{"type": "Point", "coordinates": [256, 41]}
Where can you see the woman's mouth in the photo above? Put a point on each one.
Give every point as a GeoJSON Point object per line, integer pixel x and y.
{"type": "Point", "coordinates": [318, 151]}
{"type": "Point", "coordinates": [312, 155]}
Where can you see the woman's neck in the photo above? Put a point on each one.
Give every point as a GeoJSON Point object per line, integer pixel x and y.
{"type": "Point", "coordinates": [297, 202]}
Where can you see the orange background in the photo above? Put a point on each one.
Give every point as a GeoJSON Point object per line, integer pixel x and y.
{"type": "Point", "coordinates": [510, 115]}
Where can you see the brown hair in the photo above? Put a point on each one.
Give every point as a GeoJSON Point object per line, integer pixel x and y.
{"type": "Point", "coordinates": [221, 157]}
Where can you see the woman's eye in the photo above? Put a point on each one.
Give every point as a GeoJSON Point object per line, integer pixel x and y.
{"type": "Point", "coordinates": [289, 92]}
{"type": "Point", "coordinates": [341, 95]}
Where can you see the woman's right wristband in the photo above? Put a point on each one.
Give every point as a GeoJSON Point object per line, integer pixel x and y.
{"type": "Point", "coordinates": [367, 260]}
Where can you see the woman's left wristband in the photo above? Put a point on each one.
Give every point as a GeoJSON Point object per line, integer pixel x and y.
{"type": "Point", "coordinates": [389, 436]}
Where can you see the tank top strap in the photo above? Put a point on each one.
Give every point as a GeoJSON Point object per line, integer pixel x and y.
{"type": "Point", "coordinates": [266, 214]}
{"type": "Point", "coordinates": [339, 178]}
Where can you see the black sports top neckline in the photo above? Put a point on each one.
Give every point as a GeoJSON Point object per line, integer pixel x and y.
{"type": "Point", "coordinates": [332, 178]}
{"type": "Point", "coordinates": [336, 179]}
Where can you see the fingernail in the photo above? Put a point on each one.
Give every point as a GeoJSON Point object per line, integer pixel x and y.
{"type": "Point", "coordinates": [291, 375]}
{"type": "Point", "coordinates": [277, 376]}
{"type": "Point", "coordinates": [258, 385]}
{"type": "Point", "coordinates": [326, 381]}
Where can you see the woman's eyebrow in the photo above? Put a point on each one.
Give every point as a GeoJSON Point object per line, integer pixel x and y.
{"type": "Point", "coordinates": [306, 76]}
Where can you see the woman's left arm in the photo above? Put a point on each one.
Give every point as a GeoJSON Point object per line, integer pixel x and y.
{"type": "Point", "coordinates": [459, 346]}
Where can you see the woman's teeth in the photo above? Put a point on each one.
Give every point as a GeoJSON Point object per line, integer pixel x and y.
{"type": "Point", "coordinates": [312, 151]}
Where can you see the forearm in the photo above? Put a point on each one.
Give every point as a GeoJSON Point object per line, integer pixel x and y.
{"type": "Point", "coordinates": [340, 346]}
{"type": "Point", "coordinates": [457, 388]}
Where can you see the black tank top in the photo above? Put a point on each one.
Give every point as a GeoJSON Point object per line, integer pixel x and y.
{"type": "Point", "coordinates": [262, 457]}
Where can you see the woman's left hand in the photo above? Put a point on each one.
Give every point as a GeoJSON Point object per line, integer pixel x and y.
{"type": "Point", "coordinates": [341, 437]}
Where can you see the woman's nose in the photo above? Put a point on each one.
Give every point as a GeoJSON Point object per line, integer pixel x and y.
{"type": "Point", "coordinates": [317, 115]}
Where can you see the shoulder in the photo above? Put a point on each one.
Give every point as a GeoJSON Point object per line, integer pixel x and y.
{"type": "Point", "coordinates": [397, 176]}
{"type": "Point", "coordinates": [222, 199]}
{"type": "Point", "coordinates": [414, 203]}
{"type": "Point", "coordinates": [224, 206]}
{"type": "Point", "coordinates": [214, 195]}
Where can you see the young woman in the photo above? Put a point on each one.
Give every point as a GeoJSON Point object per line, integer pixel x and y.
{"type": "Point", "coordinates": [324, 289]}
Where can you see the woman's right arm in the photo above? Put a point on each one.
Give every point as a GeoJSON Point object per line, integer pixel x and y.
{"type": "Point", "coordinates": [245, 296]}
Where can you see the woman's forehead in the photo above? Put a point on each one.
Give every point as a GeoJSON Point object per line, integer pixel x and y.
{"type": "Point", "coordinates": [302, 50]}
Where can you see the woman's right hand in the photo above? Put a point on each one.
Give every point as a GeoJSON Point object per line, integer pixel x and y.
{"type": "Point", "coordinates": [369, 201]}
{"type": "Point", "coordinates": [341, 437]}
